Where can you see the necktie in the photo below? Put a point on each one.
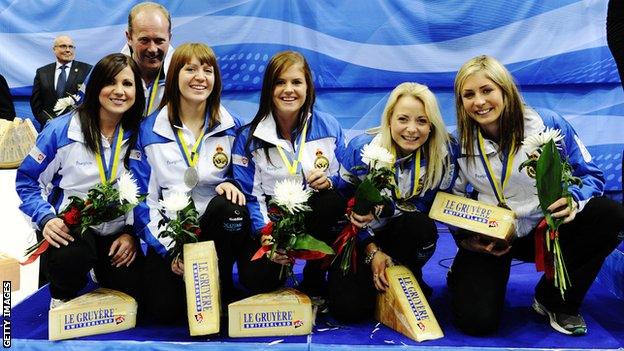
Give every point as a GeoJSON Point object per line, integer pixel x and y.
{"type": "Point", "coordinates": [60, 83]}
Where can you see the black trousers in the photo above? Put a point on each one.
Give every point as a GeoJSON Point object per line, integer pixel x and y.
{"type": "Point", "coordinates": [66, 268]}
{"type": "Point", "coordinates": [228, 225]}
{"type": "Point", "coordinates": [324, 222]}
{"type": "Point", "coordinates": [477, 282]}
{"type": "Point", "coordinates": [409, 239]}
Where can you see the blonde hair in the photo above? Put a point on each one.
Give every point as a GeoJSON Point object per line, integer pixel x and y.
{"type": "Point", "coordinates": [511, 120]}
{"type": "Point", "coordinates": [435, 148]}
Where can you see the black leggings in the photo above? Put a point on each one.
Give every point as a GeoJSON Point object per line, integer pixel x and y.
{"type": "Point", "coordinates": [409, 239]}
{"type": "Point", "coordinates": [478, 282]}
{"type": "Point", "coordinates": [66, 267]}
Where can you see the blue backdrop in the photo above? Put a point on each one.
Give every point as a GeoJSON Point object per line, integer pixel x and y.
{"type": "Point", "coordinates": [359, 50]}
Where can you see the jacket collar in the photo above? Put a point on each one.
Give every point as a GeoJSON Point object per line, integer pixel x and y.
{"type": "Point", "coordinates": [163, 128]}
{"type": "Point", "coordinates": [267, 131]}
{"type": "Point", "coordinates": [74, 132]}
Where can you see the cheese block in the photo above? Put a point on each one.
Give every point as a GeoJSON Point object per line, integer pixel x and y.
{"type": "Point", "coordinates": [98, 312]}
{"type": "Point", "coordinates": [404, 308]}
{"type": "Point", "coordinates": [494, 222]}
{"type": "Point", "coordinates": [17, 138]}
{"type": "Point", "coordinates": [10, 271]}
{"type": "Point", "coordinates": [280, 313]}
{"type": "Point", "coordinates": [201, 278]}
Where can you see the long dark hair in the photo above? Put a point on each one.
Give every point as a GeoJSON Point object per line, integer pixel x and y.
{"type": "Point", "coordinates": [89, 110]}
{"type": "Point", "coordinates": [183, 55]}
{"type": "Point", "coordinates": [278, 64]}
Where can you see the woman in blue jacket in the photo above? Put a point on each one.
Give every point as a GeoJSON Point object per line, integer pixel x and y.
{"type": "Point", "coordinates": [185, 147]}
{"type": "Point", "coordinates": [63, 163]}
{"type": "Point", "coordinates": [413, 131]}
{"type": "Point", "coordinates": [492, 123]}
{"type": "Point", "coordinates": [287, 138]}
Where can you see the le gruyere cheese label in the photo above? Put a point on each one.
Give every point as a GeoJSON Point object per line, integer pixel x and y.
{"type": "Point", "coordinates": [279, 313]}
{"type": "Point", "coordinates": [404, 308]}
{"type": "Point", "coordinates": [201, 278]}
{"type": "Point", "coordinates": [98, 312]}
{"type": "Point", "coordinates": [493, 221]}
{"type": "Point", "coordinates": [10, 271]}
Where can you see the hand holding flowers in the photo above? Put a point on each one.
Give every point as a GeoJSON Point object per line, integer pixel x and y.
{"type": "Point", "coordinates": [181, 222]}
{"type": "Point", "coordinates": [367, 202]}
{"type": "Point", "coordinates": [286, 234]}
{"type": "Point", "coordinates": [103, 203]}
{"type": "Point", "coordinates": [553, 176]}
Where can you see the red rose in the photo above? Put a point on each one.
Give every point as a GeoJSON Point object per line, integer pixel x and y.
{"type": "Point", "coordinates": [273, 210]}
{"type": "Point", "coordinates": [72, 217]}
{"type": "Point", "coordinates": [198, 232]}
{"type": "Point", "coordinates": [268, 229]}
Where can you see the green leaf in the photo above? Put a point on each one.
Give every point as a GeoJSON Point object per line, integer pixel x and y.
{"type": "Point", "coordinates": [308, 242]}
{"type": "Point", "coordinates": [548, 176]}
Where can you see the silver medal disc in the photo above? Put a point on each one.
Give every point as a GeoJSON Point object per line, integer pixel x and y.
{"type": "Point", "coordinates": [191, 178]}
{"type": "Point", "coordinates": [406, 206]}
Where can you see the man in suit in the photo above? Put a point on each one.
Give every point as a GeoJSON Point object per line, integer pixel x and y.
{"type": "Point", "coordinates": [46, 87]}
{"type": "Point", "coordinates": [7, 109]}
{"type": "Point", "coordinates": [148, 36]}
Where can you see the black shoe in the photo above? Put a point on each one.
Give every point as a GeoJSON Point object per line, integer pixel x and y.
{"type": "Point", "coordinates": [562, 322]}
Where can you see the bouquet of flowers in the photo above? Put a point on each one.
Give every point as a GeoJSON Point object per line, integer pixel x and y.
{"type": "Point", "coordinates": [369, 193]}
{"type": "Point", "coordinates": [103, 203]}
{"type": "Point", "coordinates": [64, 103]}
{"type": "Point", "coordinates": [182, 229]}
{"type": "Point", "coordinates": [553, 175]}
{"type": "Point", "coordinates": [287, 211]}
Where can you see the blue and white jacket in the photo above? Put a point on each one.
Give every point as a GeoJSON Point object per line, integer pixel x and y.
{"type": "Point", "coordinates": [159, 166]}
{"type": "Point", "coordinates": [520, 193]}
{"type": "Point", "coordinates": [257, 175]}
{"type": "Point", "coordinates": [353, 158]}
{"type": "Point", "coordinates": [60, 166]}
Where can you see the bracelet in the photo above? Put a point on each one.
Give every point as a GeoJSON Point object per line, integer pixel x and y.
{"type": "Point", "coordinates": [369, 257]}
{"type": "Point", "coordinates": [331, 184]}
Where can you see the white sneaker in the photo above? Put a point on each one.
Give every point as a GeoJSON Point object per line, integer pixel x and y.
{"type": "Point", "coordinates": [54, 303]}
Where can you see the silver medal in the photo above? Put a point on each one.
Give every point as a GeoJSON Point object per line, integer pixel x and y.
{"type": "Point", "coordinates": [406, 206]}
{"type": "Point", "coordinates": [191, 178]}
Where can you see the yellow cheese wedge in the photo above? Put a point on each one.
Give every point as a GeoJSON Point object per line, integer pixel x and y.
{"type": "Point", "coordinates": [10, 271]}
{"type": "Point", "coordinates": [98, 312]}
{"type": "Point", "coordinates": [201, 277]}
{"type": "Point", "coordinates": [17, 138]}
{"type": "Point", "coordinates": [492, 221]}
{"type": "Point", "coordinates": [280, 313]}
{"type": "Point", "coordinates": [403, 307]}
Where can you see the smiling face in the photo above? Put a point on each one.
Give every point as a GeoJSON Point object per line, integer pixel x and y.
{"type": "Point", "coordinates": [149, 40]}
{"type": "Point", "coordinates": [196, 81]}
{"type": "Point", "coordinates": [118, 95]}
{"type": "Point", "coordinates": [409, 125]}
{"type": "Point", "coordinates": [289, 93]}
{"type": "Point", "coordinates": [483, 101]}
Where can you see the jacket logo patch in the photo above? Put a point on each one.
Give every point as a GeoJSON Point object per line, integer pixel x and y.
{"type": "Point", "coordinates": [37, 155]}
{"type": "Point", "coordinates": [321, 162]}
{"type": "Point", "coordinates": [220, 159]}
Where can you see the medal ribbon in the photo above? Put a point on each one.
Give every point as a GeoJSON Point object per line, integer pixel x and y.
{"type": "Point", "coordinates": [414, 185]}
{"type": "Point", "coordinates": [108, 172]}
{"type": "Point", "coordinates": [292, 167]}
{"type": "Point", "coordinates": [153, 93]}
{"type": "Point", "coordinates": [497, 186]}
{"type": "Point", "coordinates": [192, 157]}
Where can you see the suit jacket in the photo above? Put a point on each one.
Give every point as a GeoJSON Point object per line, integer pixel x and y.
{"type": "Point", "coordinates": [7, 110]}
{"type": "Point", "coordinates": [43, 96]}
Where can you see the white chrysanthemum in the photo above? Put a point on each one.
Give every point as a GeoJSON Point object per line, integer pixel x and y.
{"type": "Point", "coordinates": [290, 195]}
{"type": "Point", "coordinates": [128, 189]}
{"type": "Point", "coordinates": [537, 141]}
{"type": "Point", "coordinates": [63, 103]}
{"type": "Point", "coordinates": [376, 156]}
{"type": "Point", "coordinates": [175, 202]}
